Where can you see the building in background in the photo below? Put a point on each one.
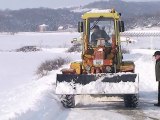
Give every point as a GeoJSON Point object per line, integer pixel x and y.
{"type": "Point", "coordinates": [42, 28]}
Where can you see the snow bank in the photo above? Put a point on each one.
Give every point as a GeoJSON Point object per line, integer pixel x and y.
{"type": "Point", "coordinates": [31, 101]}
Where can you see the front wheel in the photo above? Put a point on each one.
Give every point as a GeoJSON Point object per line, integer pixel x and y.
{"type": "Point", "coordinates": [131, 100]}
{"type": "Point", "coordinates": [68, 101]}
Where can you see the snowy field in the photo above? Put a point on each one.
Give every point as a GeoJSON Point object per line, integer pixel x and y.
{"type": "Point", "coordinates": [25, 96]}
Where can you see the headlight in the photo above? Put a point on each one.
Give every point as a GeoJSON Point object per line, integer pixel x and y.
{"type": "Point", "coordinates": [108, 69]}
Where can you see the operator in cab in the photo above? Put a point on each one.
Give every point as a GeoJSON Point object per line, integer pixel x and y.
{"type": "Point", "coordinates": [99, 34]}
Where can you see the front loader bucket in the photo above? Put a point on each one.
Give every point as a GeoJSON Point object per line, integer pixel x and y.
{"type": "Point", "coordinates": [110, 83]}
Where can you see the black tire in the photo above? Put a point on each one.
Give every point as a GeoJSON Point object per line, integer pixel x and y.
{"type": "Point", "coordinates": [131, 101]}
{"type": "Point", "coordinates": [68, 101]}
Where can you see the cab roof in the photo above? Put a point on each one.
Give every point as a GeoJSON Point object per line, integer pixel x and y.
{"type": "Point", "coordinates": [95, 13]}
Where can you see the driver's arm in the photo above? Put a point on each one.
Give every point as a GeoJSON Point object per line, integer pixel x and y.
{"type": "Point", "coordinates": [105, 35]}
{"type": "Point", "coordinates": [93, 38]}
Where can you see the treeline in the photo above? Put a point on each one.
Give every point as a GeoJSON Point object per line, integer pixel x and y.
{"type": "Point", "coordinates": [29, 19]}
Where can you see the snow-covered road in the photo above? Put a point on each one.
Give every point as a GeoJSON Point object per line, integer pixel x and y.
{"type": "Point", "coordinates": [24, 96]}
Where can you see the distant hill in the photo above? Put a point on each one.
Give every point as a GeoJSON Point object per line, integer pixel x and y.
{"type": "Point", "coordinates": [128, 8]}
{"type": "Point", "coordinates": [135, 14]}
{"type": "Point", "coordinates": [30, 19]}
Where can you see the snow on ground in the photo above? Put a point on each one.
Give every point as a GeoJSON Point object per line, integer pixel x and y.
{"type": "Point", "coordinates": [49, 40]}
{"type": "Point", "coordinates": [18, 67]}
{"type": "Point", "coordinates": [24, 97]}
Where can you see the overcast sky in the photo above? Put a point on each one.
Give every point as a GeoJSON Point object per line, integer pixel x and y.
{"type": "Point", "coordinates": [19, 4]}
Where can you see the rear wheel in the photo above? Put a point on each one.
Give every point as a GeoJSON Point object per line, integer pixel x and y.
{"type": "Point", "coordinates": [68, 101]}
{"type": "Point", "coordinates": [131, 101]}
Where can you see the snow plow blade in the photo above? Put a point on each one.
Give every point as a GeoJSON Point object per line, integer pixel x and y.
{"type": "Point", "coordinates": [113, 83]}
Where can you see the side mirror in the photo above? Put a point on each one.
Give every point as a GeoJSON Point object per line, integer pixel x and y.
{"type": "Point", "coordinates": [80, 26]}
{"type": "Point", "coordinates": [121, 26]}
{"type": "Point", "coordinates": [128, 40]}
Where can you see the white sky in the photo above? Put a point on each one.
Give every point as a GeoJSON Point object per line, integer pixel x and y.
{"type": "Point", "coordinates": [18, 4]}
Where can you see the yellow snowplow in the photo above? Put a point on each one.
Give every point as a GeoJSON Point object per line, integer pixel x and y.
{"type": "Point", "coordinates": [101, 71]}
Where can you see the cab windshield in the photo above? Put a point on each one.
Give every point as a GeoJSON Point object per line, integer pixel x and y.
{"type": "Point", "coordinates": [101, 31]}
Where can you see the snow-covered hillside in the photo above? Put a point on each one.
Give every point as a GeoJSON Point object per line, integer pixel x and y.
{"type": "Point", "coordinates": [25, 96]}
